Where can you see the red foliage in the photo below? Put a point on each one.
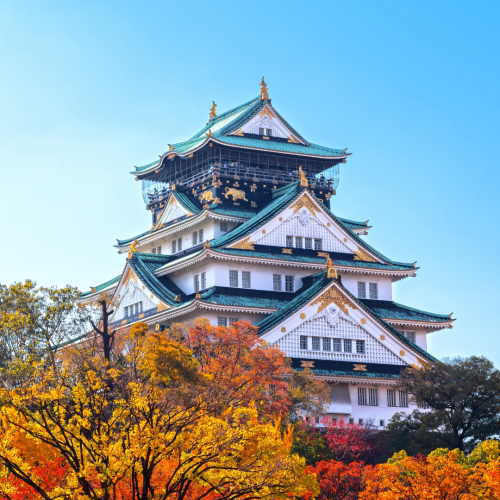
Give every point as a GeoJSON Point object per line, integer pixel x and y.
{"type": "Point", "coordinates": [348, 442]}
{"type": "Point", "coordinates": [339, 481]}
{"type": "Point", "coordinates": [48, 475]}
{"type": "Point", "coordinates": [242, 365]}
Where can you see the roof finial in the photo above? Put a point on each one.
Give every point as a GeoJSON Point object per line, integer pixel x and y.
{"type": "Point", "coordinates": [213, 113]}
{"type": "Point", "coordinates": [331, 272]}
{"type": "Point", "coordinates": [303, 178]}
{"type": "Point", "coordinates": [264, 95]}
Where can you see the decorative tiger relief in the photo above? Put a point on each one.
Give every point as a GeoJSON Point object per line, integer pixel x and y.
{"type": "Point", "coordinates": [237, 194]}
{"type": "Point", "coordinates": [206, 196]}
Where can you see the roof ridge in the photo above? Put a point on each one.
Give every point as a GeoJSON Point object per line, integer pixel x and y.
{"type": "Point", "coordinates": [421, 311]}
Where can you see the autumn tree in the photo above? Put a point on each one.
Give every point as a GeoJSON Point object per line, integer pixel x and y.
{"type": "Point", "coordinates": [156, 419]}
{"type": "Point", "coordinates": [463, 401]}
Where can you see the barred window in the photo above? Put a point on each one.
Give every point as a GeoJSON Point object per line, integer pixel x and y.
{"type": "Point", "coordinates": [410, 336]}
{"type": "Point", "coordinates": [233, 278]}
{"type": "Point", "coordinates": [382, 423]}
{"type": "Point", "coordinates": [245, 279]}
{"type": "Point", "coordinates": [154, 250]}
{"type": "Point", "coordinates": [347, 345]}
{"type": "Point", "coordinates": [373, 291]}
{"type": "Point", "coordinates": [223, 226]}
{"type": "Point", "coordinates": [179, 244]}
{"type": "Point", "coordinates": [233, 320]}
{"type": "Point", "coordinates": [351, 421]}
{"type": "Point", "coordinates": [196, 282]}
{"type": "Point", "coordinates": [289, 284]}
{"type": "Point", "coordinates": [373, 397]}
{"type": "Point", "coordinates": [391, 397]}
{"type": "Point", "coordinates": [309, 243]}
{"type": "Point", "coordinates": [360, 346]}
{"type": "Point", "coordinates": [298, 242]}
{"type": "Point", "coordinates": [361, 290]}
{"type": "Point", "coordinates": [303, 342]}
{"type": "Point", "coordinates": [203, 281]}
{"type": "Point", "coordinates": [261, 131]}
{"type": "Point", "coordinates": [403, 399]}
{"type": "Point", "coordinates": [423, 405]}
{"type": "Point", "coordinates": [269, 132]}
{"type": "Point", "coordinates": [360, 421]}
{"type": "Point", "coordinates": [362, 396]}
{"type": "Point", "coordinates": [200, 236]}
{"type": "Point", "coordinates": [316, 346]}
{"type": "Point", "coordinates": [158, 250]}
{"type": "Point", "coordinates": [289, 241]}
{"type": "Point", "coordinates": [222, 321]}
{"type": "Point", "coordinates": [195, 238]}
{"type": "Point", "coordinates": [174, 246]}
{"type": "Point", "coordinates": [318, 244]}
{"type": "Point", "coordinates": [277, 282]}
{"type": "Point", "coordinates": [337, 345]}
{"type": "Point", "coordinates": [327, 344]}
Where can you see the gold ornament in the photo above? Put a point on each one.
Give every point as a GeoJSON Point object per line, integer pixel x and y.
{"type": "Point", "coordinates": [331, 272]}
{"type": "Point", "coordinates": [306, 364]}
{"type": "Point", "coordinates": [359, 368]}
{"type": "Point", "coordinates": [264, 94]}
{"type": "Point", "coordinates": [287, 250]}
{"type": "Point", "coordinates": [213, 113]}
{"type": "Point", "coordinates": [330, 296]}
{"type": "Point", "coordinates": [206, 245]}
{"type": "Point", "coordinates": [304, 202]}
{"type": "Point", "coordinates": [302, 316]}
{"type": "Point", "coordinates": [402, 353]}
{"type": "Point", "coordinates": [235, 193]}
{"type": "Point", "coordinates": [303, 179]}
{"type": "Point", "coordinates": [363, 321]}
{"type": "Point", "coordinates": [283, 329]}
{"type": "Point", "coordinates": [362, 255]}
{"type": "Point", "coordinates": [245, 244]}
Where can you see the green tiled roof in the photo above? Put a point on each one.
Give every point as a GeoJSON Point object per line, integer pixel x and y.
{"type": "Point", "coordinates": [129, 240]}
{"type": "Point", "coordinates": [224, 125]}
{"type": "Point", "coordinates": [392, 310]}
{"type": "Point", "coordinates": [239, 297]}
{"type": "Point", "coordinates": [243, 212]}
{"type": "Point", "coordinates": [186, 202]}
{"type": "Point", "coordinates": [313, 259]}
{"type": "Point", "coordinates": [98, 288]}
{"type": "Point", "coordinates": [352, 224]}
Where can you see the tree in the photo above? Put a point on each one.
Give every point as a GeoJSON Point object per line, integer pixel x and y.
{"type": "Point", "coordinates": [464, 398]}
{"type": "Point", "coordinates": [144, 416]}
{"type": "Point", "coordinates": [349, 442]}
{"type": "Point", "coordinates": [309, 442]}
{"type": "Point", "coordinates": [339, 481]}
{"type": "Point", "coordinates": [440, 476]}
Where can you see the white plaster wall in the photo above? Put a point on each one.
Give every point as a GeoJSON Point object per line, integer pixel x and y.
{"type": "Point", "coordinates": [375, 413]}
{"type": "Point", "coordinates": [212, 316]}
{"type": "Point", "coordinates": [261, 276]}
{"type": "Point", "coordinates": [350, 281]}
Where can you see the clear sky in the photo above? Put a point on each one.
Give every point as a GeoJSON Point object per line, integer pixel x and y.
{"type": "Point", "coordinates": [90, 89]}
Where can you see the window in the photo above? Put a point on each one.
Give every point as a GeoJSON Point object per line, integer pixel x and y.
{"type": "Point", "coordinates": [410, 336]}
{"type": "Point", "coordinates": [200, 236]}
{"type": "Point", "coordinates": [327, 344]}
{"type": "Point", "coordinates": [391, 397]}
{"type": "Point", "coordinates": [261, 131]}
{"type": "Point", "coordinates": [233, 320]}
{"type": "Point", "coordinates": [351, 421]}
{"type": "Point", "coordinates": [245, 279]}
{"type": "Point", "coordinates": [373, 291]}
{"type": "Point", "coordinates": [203, 281]}
{"type": "Point", "coordinates": [222, 321]}
{"type": "Point", "coordinates": [403, 399]}
{"type": "Point", "coordinates": [361, 290]}
{"type": "Point", "coordinates": [360, 346]}
{"type": "Point", "coordinates": [195, 238]}
{"type": "Point", "coordinates": [309, 243]}
{"type": "Point", "coordinates": [347, 345]}
{"type": "Point", "coordinates": [223, 226]}
{"type": "Point", "coordinates": [298, 242]}
{"type": "Point", "coordinates": [316, 346]}
{"type": "Point", "coordinates": [303, 342]}
{"type": "Point", "coordinates": [423, 405]}
{"type": "Point", "coordinates": [382, 423]}
{"type": "Point", "coordinates": [277, 282]}
{"type": "Point", "coordinates": [373, 397]}
{"type": "Point", "coordinates": [158, 250]}
{"type": "Point", "coordinates": [360, 421]}
{"type": "Point", "coordinates": [269, 131]}
{"type": "Point", "coordinates": [133, 309]}
{"type": "Point", "coordinates": [289, 241]}
{"type": "Point", "coordinates": [196, 282]}
{"type": "Point", "coordinates": [174, 246]}
{"type": "Point", "coordinates": [179, 244]}
{"type": "Point", "coordinates": [318, 244]}
{"type": "Point", "coordinates": [154, 250]}
{"type": "Point", "coordinates": [362, 396]}
{"type": "Point", "coordinates": [233, 278]}
{"type": "Point", "coordinates": [289, 284]}
{"type": "Point", "coordinates": [337, 345]}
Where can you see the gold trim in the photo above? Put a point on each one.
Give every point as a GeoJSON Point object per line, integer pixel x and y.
{"type": "Point", "coordinates": [287, 250]}
{"type": "Point", "coordinates": [363, 321]}
{"type": "Point", "coordinates": [161, 307]}
{"type": "Point", "coordinates": [206, 196]}
{"type": "Point", "coordinates": [323, 254]}
{"type": "Point", "coordinates": [332, 295]}
{"type": "Point", "coordinates": [362, 255]}
{"type": "Point", "coordinates": [359, 368]}
{"type": "Point", "coordinates": [245, 244]}
{"type": "Point", "coordinates": [302, 316]}
{"type": "Point", "coordinates": [235, 193]}
{"type": "Point", "coordinates": [141, 315]}
{"type": "Point", "coordinates": [283, 329]}
{"type": "Point", "coordinates": [306, 364]}
{"type": "Point", "coordinates": [402, 353]}
{"type": "Point", "coordinates": [382, 337]}
{"type": "Point", "coordinates": [304, 202]}
{"type": "Point", "coordinates": [124, 321]}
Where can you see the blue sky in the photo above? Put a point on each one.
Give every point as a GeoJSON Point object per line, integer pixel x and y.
{"type": "Point", "coordinates": [90, 89]}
